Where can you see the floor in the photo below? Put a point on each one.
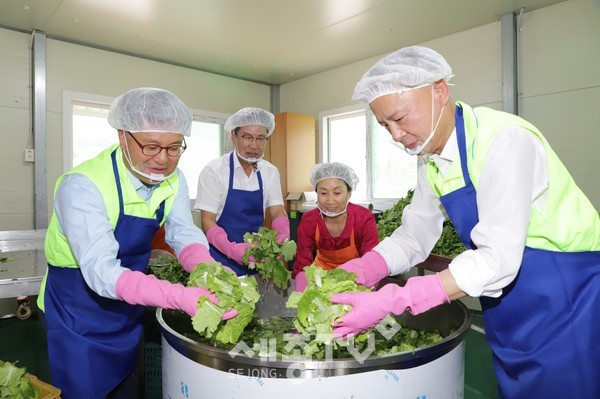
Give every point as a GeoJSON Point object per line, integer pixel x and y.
{"type": "Point", "coordinates": [480, 382]}
{"type": "Point", "coordinates": [24, 341]}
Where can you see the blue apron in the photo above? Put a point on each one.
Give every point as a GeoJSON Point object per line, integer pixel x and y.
{"type": "Point", "coordinates": [544, 330]}
{"type": "Point", "coordinates": [92, 340]}
{"type": "Point", "coordinates": [243, 212]}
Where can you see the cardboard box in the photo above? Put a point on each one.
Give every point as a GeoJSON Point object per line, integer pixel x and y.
{"type": "Point", "coordinates": [302, 200]}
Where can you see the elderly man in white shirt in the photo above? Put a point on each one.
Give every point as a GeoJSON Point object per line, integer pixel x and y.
{"type": "Point", "coordinates": [532, 236]}
{"type": "Point", "coordinates": [236, 190]}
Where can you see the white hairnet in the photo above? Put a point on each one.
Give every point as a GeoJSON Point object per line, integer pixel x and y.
{"type": "Point", "coordinates": [322, 171]}
{"type": "Point", "coordinates": [251, 116]}
{"type": "Point", "coordinates": [404, 69]}
{"type": "Point", "coordinates": [147, 109]}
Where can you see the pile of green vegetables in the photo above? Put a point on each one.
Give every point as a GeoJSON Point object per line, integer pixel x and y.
{"type": "Point", "coordinates": [310, 333]}
{"type": "Point", "coordinates": [449, 243]}
{"type": "Point", "coordinates": [316, 316]}
{"type": "Point", "coordinates": [315, 313]}
{"type": "Point", "coordinates": [269, 257]}
{"type": "Point", "coordinates": [232, 292]}
{"type": "Point", "coordinates": [277, 337]}
{"type": "Point", "coordinates": [240, 293]}
{"type": "Point", "coordinates": [14, 383]}
{"type": "Point", "coordinates": [168, 268]}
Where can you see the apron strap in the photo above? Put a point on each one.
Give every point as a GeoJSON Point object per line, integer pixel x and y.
{"type": "Point", "coordinates": [462, 147]}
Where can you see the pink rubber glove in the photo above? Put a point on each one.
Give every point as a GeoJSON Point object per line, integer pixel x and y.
{"type": "Point", "coordinates": [137, 288]}
{"type": "Point", "coordinates": [301, 282]}
{"type": "Point", "coordinates": [281, 225]}
{"type": "Point", "coordinates": [218, 238]}
{"type": "Point", "coordinates": [369, 308]}
{"type": "Point", "coordinates": [192, 254]}
{"type": "Point", "coordinates": [370, 268]}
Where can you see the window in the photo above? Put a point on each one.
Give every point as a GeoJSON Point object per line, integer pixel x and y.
{"type": "Point", "coordinates": [206, 143]}
{"type": "Point", "coordinates": [345, 134]}
{"type": "Point", "coordinates": [91, 131]}
{"type": "Point", "coordinates": [353, 136]}
{"type": "Point", "coordinates": [87, 133]}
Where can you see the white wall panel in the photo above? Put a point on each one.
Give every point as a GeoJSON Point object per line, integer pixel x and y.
{"type": "Point", "coordinates": [575, 139]}
{"type": "Point", "coordinates": [560, 48]}
{"type": "Point", "coordinates": [83, 69]}
{"type": "Point", "coordinates": [473, 54]}
{"type": "Point", "coordinates": [16, 179]}
{"type": "Point", "coordinates": [14, 72]}
{"type": "Point", "coordinates": [475, 58]}
{"type": "Point", "coordinates": [560, 84]}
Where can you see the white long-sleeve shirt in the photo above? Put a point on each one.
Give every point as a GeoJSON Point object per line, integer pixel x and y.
{"type": "Point", "coordinates": [83, 219]}
{"type": "Point", "coordinates": [514, 178]}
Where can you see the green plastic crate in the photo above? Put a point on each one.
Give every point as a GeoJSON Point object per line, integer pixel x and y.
{"type": "Point", "coordinates": [153, 370]}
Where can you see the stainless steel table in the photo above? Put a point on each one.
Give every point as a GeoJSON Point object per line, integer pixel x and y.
{"type": "Point", "coordinates": [24, 262]}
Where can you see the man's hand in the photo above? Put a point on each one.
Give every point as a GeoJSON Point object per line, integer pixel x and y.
{"type": "Point", "coordinates": [370, 268]}
{"type": "Point", "coordinates": [369, 308]}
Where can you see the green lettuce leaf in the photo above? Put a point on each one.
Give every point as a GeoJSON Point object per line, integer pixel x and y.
{"type": "Point", "coordinates": [232, 292]}
{"type": "Point", "coordinates": [14, 383]}
{"type": "Point", "coordinates": [315, 313]}
{"type": "Point", "coordinates": [270, 256]}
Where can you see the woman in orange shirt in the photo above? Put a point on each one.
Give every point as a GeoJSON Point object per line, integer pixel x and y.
{"type": "Point", "coordinates": [337, 230]}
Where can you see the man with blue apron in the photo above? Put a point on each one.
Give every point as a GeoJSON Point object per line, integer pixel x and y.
{"type": "Point", "coordinates": [235, 190]}
{"type": "Point", "coordinates": [98, 244]}
{"type": "Point", "coordinates": [533, 237]}
{"type": "Point", "coordinates": [543, 354]}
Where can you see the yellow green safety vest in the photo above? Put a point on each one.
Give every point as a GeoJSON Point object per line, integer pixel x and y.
{"type": "Point", "coordinates": [100, 171]}
{"type": "Point", "coordinates": [569, 223]}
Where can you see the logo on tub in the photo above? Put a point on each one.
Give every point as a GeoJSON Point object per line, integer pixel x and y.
{"type": "Point", "coordinates": [185, 390]}
{"type": "Point", "coordinates": [392, 375]}
{"type": "Point", "coordinates": [257, 373]}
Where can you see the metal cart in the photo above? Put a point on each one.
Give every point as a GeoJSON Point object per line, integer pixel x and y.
{"type": "Point", "coordinates": [22, 267]}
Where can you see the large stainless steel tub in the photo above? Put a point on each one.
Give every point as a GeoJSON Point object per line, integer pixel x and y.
{"type": "Point", "coordinates": [196, 370]}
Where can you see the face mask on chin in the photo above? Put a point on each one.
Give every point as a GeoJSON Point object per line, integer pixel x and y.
{"type": "Point", "coordinates": [333, 214]}
{"type": "Point", "coordinates": [251, 161]}
{"type": "Point", "coordinates": [153, 178]}
{"type": "Point", "coordinates": [418, 149]}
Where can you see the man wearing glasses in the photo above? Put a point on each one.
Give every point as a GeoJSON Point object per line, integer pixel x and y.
{"type": "Point", "coordinates": [98, 244]}
{"type": "Point", "coordinates": [236, 190]}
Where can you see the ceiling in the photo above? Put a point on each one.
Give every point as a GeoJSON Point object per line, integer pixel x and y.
{"type": "Point", "coordinates": [266, 41]}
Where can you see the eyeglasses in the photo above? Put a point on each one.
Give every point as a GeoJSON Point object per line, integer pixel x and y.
{"type": "Point", "coordinates": [249, 139]}
{"type": "Point", "coordinates": [151, 150]}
